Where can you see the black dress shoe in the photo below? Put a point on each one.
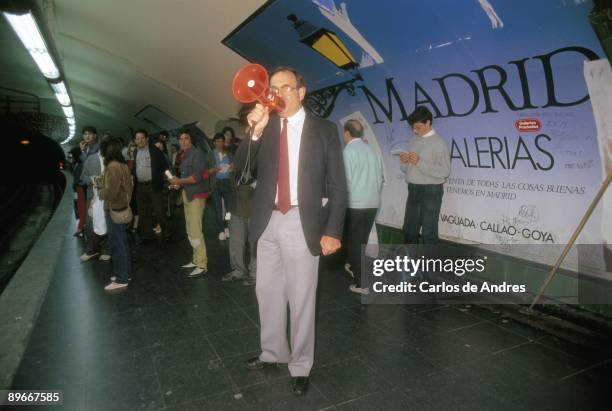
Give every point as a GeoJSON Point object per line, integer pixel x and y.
{"type": "Point", "coordinates": [256, 364]}
{"type": "Point", "coordinates": [299, 385]}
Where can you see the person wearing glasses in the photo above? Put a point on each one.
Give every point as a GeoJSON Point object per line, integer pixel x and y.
{"type": "Point", "coordinates": [297, 214]}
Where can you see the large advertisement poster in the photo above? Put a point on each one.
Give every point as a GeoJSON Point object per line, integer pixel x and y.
{"type": "Point", "coordinates": [505, 80]}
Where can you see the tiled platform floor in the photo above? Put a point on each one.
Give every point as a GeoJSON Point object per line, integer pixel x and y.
{"type": "Point", "coordinates": [174, 343]}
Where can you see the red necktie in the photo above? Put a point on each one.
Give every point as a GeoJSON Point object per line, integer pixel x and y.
{"type": "Point", "coordinates": [282, 182]}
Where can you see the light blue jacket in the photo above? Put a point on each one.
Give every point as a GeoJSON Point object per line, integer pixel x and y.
{"type": "Point", "coordinates": [363, 170]}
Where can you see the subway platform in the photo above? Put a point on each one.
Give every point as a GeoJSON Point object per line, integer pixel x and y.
{"type": "Point", "coordinates": [170, 342]}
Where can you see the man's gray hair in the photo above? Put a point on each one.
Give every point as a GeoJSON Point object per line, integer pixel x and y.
{"type": "Point", "coordinates": [354, 128]}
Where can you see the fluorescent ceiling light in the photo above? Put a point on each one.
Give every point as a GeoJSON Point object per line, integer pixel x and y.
{"type": "Point", "coordinates": [70, 136]}
{"type": "Point", "coordinates": [68, 111]}
{"type": "Point", "coordinates": [59, 88]}
{"type": "Point", "coordinates": [61, 93]}
{"type": "Point", "coordinates": [63, 99]}
{"type": "Point", "coordinates": [28, 32]}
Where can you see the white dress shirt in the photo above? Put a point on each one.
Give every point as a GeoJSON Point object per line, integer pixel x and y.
{"type": "Point", "coordinates": [295, 125]}
{"type": "Point", "coordinates": [429, 133]}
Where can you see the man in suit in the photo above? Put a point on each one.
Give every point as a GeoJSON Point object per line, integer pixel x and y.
{"type": "Point", "coordinates": [297, 214]}
{"type": "Point", "coordinates": [149, 167]}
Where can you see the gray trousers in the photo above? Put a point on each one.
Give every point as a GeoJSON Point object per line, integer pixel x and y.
{"type": "Point", "coordinates": [287, 273]}
{"type": "Point", "coordinates": [238, 241]}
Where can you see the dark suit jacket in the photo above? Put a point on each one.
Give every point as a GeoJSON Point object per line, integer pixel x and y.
{"type": "Point", "coordinates": [159, 164]}
{"type": "Point", "coordinates": [320, 175]}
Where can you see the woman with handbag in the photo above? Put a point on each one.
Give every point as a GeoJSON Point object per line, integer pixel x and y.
{"type": "Point", "coordinates": [116, 191]}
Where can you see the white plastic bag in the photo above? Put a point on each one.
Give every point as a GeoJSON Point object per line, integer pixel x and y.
{"type": "Point", "coordinates": [371, 249]}
{"type": "Point", "coordinates": [99, 219]}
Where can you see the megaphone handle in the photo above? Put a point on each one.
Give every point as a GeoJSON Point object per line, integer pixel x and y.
{"type": "Point", "coordinates": [252, 125]}
{"type": "Point", "coordinates": [252, 136]}
{"type": "Point", "coordinates": [245, 174]}
{"type": "Point", "coordinates": [251, 132]}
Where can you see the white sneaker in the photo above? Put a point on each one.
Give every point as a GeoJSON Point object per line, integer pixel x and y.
{"type": "Point", "coordinates": [86, 257]}
{"type": "Point", "coordinates": [359, 290]}
{"type": "Point", "coordinates": [197, 272]}
{"type": "Point", "coordinates": [104, 257]}
{"type": "Point", "coordinates": [221, 236]}
{"type": "Point", "coordinates": [347, 268]}
{"type": "Point", "coordinates": [188, 265]}
{"type": "Point", "coordinates": [114, 286]}
{"type": "Point", "coordinates": [227, 233]}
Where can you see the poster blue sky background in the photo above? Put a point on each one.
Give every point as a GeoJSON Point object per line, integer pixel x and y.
{"type": "Point", "coordinates": [423, 40]}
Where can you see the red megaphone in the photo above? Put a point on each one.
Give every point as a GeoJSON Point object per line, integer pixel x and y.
{"type": "Point", "coordinates": [251, 84]}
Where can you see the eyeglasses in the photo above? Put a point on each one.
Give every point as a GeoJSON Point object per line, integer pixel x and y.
{"type": "Point", "coordinates": [286, 89]}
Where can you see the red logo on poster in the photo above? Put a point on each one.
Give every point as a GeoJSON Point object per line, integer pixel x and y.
{"type": "Point", "coordinates": [530, 125]}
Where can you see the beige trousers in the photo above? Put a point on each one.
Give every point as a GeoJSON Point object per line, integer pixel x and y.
{"type": "Point", "coordinates": [194, 211]}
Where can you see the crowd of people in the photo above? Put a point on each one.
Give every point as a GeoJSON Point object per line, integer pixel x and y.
{"type": "Point", "coordinates": [159, 180]}
{"type": "Point", "coordinates": [282, 197]}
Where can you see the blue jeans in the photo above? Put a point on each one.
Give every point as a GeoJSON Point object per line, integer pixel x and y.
{"type": "Point", "coordinates": [422, 212]}
{"type": "Point", "coordinates": [120, 250]}
{"type": "Point", "coordinates": [223, 190]}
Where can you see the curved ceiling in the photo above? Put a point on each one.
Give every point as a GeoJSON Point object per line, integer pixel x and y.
{"type": "Point", "coordinates": [120, 56]}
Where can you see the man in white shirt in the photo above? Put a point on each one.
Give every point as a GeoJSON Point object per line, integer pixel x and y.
{"type": "Point", "coordinates": [298, 213]}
